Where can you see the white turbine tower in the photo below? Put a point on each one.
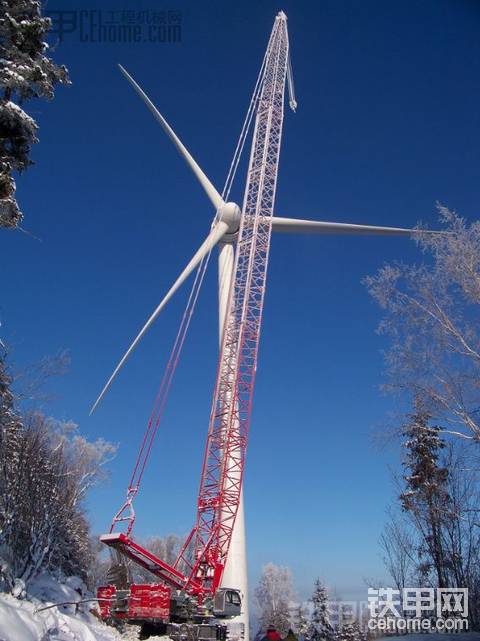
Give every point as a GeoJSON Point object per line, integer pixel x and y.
{"type": "Point", "coordinates": [224, 235]}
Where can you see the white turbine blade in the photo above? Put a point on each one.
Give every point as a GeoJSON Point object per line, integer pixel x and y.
{"type": "Point", "coordinates": [295, 226]}
{"type": "Point", "coordinates": [212, 239]}
{"type": "Point", "coordinates": [210, 190]}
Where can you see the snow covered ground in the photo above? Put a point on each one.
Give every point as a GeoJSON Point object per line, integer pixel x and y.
{"type": "Point", "coordinates": [20, 620]}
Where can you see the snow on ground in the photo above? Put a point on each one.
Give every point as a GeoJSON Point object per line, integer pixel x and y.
{"type": "Point", "coordinates": [19, 620]}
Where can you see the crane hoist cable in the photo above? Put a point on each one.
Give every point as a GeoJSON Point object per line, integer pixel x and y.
{"type": "Point", "coordinates": [126, 513]}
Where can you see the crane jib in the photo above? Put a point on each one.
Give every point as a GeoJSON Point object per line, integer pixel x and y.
{"type": "Point", "coordinates": [222, 474]}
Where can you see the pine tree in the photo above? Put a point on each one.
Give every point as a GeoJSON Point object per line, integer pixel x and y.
{"type": "Point", "coordinates": [351, 632]}
{"type": "Point", "coordinates": [25, 73]}
{"type": "Point", "coordinates": [426, 496]}
{"type": "Point", "coordinates": [320, 628]}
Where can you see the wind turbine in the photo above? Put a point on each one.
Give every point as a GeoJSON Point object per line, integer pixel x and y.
{"type": "Point", "coordinates": [224, 234]}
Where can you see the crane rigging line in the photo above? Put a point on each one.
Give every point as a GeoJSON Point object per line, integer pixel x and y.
{"type": "Point", "coordinates": [127, 513]}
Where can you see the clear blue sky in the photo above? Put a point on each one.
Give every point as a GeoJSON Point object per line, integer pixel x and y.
{"type": "Point", "coordinates": [387, 123]}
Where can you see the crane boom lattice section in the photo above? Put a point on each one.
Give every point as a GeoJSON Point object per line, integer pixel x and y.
{"type": "Point", "coordinates": [224, 460]}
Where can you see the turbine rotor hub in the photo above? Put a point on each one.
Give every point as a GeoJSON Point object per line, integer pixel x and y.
{"type": "Point", "coordinates": [230, 213]}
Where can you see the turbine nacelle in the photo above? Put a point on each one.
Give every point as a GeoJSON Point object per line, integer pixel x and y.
{"type": "Point", "coordinates": [226, 224]}
{"type": "Point", "coordinates": [229, 213]}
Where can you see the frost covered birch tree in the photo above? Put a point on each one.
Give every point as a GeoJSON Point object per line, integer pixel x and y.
{"type": "Point", "coordinates": [431, 315]}
{"type": "Point", "coordinates": [10, 430]}
{"type": "Point", "coordinates": [46, 469]}
{"type": "Point", "coordinates": [272, 596]}
{"type": "Point", "coordinates": [25, 72]}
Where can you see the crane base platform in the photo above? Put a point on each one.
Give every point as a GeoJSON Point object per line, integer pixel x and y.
{"type": "Point", "coordinates": [139, 603]}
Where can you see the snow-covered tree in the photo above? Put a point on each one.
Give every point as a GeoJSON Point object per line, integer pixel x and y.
{"type": "Point", "coordinates": [428, 541]}
{"type": "Point", "coordinates": [46, 469]}
{"type": "Point", "coordinates": [100, 565]}
{"type": "Point", "coordinates": [272, 596]}
{"type": "Point", "coordinates": [26, 72]}
{"type": "Point", "coordinates": [350, 632]}
{"type": "Point", "coordinates": [431, 314]}
{"type": "Point", "coordinates": [302, 621]}
{"type": "Point", "coordinates": [10, 434]}
{"type": "Point", "coordinates": [425, 496]}
{"type": "Point", "coordinates": [320, 627]}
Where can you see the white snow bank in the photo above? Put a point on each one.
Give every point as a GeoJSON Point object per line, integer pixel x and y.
{"type": "Point", "coordinates": [19, 620]}
{"type": "Point", "coordinates": [16, 623]}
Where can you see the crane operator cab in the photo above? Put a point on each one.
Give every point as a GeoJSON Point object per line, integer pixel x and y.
{"type": "Point", "coordinates": [227, 603]}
